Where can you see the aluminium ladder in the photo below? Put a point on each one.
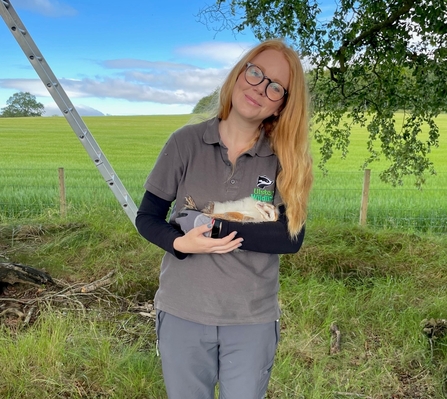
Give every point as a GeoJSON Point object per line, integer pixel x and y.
{"type": "Point", "coordinates": [65, 105]}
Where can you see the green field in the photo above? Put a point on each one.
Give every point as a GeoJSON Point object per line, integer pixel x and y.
{"type": "Point", "coordinates": [32, 150]}
{"type": "Point", "coordinates": [384, 288]}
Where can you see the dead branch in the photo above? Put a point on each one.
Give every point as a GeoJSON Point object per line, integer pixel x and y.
{"type": "Point", "coordinates": [77, 296]}
{"type": "Point", "coordinates": [15, 311]}
{"type": "Point", "coordinates": [335, 339]}
{"type": "Point", "coordinates": [12, 273]}
{"type": "Point", "coordinates": [24, 305]}
{"type": "Point", "coordinates": [102, 282]}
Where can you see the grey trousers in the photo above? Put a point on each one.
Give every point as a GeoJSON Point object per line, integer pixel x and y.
{"type": "Point", "coordinates": [195, 357]}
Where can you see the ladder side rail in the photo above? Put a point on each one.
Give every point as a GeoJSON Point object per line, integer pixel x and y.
{"type": "Point", "coordinates": [64, 103]}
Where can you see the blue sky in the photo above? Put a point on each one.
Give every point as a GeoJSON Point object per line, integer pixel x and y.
{"type": "Point", "coordinates": [120, 57]}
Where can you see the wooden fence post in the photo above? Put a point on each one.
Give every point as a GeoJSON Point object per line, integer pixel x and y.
{"type": "Point", "coordinates": [365, 196]}
{"type": "Point", "coordinates": [62, 197]}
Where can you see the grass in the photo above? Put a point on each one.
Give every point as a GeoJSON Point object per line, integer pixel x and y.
{"type": "Point", "coordinates": [33, 149]}
{"type": "Point", "coordinates": [378, 285]}
{"type": "Point", "coordinates": [65, 356]}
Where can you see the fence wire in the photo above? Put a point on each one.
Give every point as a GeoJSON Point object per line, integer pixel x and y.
{"type": "Point", "coordinates": [31, 193]}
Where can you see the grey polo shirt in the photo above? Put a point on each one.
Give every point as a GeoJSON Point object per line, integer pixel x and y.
{"type": "Point", "coordinates": [217, 289]}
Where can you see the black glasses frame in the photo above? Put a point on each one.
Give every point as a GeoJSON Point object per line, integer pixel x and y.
{"type": "Point", "coordinates": [249, 65]}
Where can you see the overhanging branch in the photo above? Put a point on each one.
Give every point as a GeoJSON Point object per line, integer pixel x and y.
{"type": "Point", "coordinates": [395, 16]}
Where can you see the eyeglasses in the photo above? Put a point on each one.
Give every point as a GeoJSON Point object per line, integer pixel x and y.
{"type": "Point", "coordinates": [254, 77]}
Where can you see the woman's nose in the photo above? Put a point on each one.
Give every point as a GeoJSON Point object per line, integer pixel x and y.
{"type": "Point", "coordinates": [261, 88]}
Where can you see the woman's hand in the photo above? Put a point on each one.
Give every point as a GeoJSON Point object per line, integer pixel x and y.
{"type": "Point", "coordinates": [194, 242]}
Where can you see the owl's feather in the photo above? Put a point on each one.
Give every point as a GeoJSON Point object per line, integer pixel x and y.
{"type": "Point", "coordinates": [244, 210]}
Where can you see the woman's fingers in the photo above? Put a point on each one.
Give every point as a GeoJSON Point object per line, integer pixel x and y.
{"type": "Point", "coordinates": [194, 242]}
{"type": "Point", "coordinates": [226, 244]}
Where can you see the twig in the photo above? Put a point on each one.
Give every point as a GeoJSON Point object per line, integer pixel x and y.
{"type": "Point", "coordinates": [150, 315]}
{"type": "Point", "coordinates": [356, 395]}
{"type": "Point", "coordinates": [104, 281]}
{"type": "Point", "coordinates": [21, 301]}
{"type": "Point", "coordinates": [66, 292]}
{"type": "Point", "coordinates": [12, 310]}
{"type": "Point", "coordinates": [63, 295]}
{"type": "Point", "coordinates": [335, 339]}
{"type": "Point", "coordinates": [117, 298]}
{"type": "Point", "coordinates": [29, 315]}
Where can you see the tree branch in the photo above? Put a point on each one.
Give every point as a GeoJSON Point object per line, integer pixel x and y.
{"type": "Point", "coordinates": [395, 16]}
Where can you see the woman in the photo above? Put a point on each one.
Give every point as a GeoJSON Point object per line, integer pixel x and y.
{"type": "Point", "coordinates": [217, 307]}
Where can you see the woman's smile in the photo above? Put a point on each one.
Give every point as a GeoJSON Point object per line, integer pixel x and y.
{"type": "Point", "coordinates": [251, 100]}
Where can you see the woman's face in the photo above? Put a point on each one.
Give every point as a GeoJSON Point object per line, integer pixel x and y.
{"type": "Point", "coordinates": [251, 102]}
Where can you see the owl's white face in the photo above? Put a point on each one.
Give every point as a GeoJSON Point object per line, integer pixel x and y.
{"type": "Point", "coordinates": [268, 211]}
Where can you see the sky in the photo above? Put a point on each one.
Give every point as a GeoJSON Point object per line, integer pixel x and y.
{"type": "Point", "coordinates": [140, 57]}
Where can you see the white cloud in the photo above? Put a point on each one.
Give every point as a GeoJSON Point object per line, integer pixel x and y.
{"type": "Point", "coordinates": [165, 83]}
{"type": "Point", "coordinates": [222, 52]}
{"type": "Point", "coordinates": [33, 86]}
{"type": "Point", "coordinates": [143, 81]}
{"type": "Point", "coordinates": [196, 80]}
{"type": "Point", "coordinates": [49, 8]}
{"type": "Point", "coordinates": [131, 91]}
{"type": "Point", "coordinates": [132, 63]}
{"type": "Point", "coordinates": [116, 88]}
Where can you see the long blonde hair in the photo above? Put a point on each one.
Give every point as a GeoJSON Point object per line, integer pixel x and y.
{"type": "Point", "coordinates": [288, 132]}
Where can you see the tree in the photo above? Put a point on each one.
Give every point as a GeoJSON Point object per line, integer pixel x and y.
{"type": "Point", "coordinates": [22, 104]}
{"type": "Point", "coordinates": [206, 103]}
{"type": "Point", "coordinates": [368, 60]}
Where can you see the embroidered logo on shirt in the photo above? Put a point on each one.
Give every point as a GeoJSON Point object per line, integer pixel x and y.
{"type": "Point", "coordinates": [260, 193]}
{"type": "Point", "coordinates": [264, 181]}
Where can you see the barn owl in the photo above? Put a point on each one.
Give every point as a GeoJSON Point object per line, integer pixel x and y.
{"type": "Point", "coordinates": [244, 210]}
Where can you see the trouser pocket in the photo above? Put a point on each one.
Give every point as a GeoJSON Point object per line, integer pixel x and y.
{"type": "Point", "coordinates": [158, 320]}
{"type": "Point", "coordinates": [278, 331]}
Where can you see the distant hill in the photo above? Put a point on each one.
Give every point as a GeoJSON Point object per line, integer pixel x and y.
{"type": "Point", "coordinates": [84, 110]}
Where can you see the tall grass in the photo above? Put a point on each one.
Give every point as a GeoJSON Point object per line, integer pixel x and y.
{"type": "Point", "coordinates": [68, 356]}
{"type": "Point", "coordinates": [377, 286]}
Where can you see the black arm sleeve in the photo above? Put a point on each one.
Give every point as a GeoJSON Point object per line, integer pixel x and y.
{"type": "Point", "coordinates": [152, 225]}
{"type": "Point", "coordinates": [266, 237]}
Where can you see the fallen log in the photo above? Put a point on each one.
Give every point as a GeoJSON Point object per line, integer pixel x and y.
{"type": "Point", "coordinates": [12, 273]}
